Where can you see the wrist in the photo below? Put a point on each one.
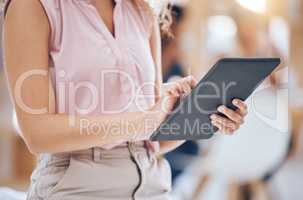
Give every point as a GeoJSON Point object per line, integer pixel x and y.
{"type": "Point", "coordinates": [151, 120]}
{"type": "Point", "coordinates": [140, 127]}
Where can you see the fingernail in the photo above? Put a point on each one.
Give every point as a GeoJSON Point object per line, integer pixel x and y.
{"type": "Point", "coordinates": [235, 101]}
{"type": "Point", "coordinates": [221, 108]}
{"type": "Point", "coordinates": [213, 117]}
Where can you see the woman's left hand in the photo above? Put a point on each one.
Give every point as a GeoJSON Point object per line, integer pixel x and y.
{"type": "Point", "coordinates": [233, 119]}
{"type": "Point", "coordinates": [228, 124]}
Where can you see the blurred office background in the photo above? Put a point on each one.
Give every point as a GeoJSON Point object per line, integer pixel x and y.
{"type": "Point", "coordinates": [264, 160]}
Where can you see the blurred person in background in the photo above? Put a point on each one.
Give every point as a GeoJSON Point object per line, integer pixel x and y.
{"type": "Point", "coordinates": [287, 182]}
{"type": "Point", "coordinates": [235, 169]}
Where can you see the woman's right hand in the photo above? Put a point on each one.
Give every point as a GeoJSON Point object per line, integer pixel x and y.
{"type": "Point", "coordinates": [171, 92]}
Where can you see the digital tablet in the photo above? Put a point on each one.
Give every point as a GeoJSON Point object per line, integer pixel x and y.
{"type": "Point", "coordinates": [228, 79]}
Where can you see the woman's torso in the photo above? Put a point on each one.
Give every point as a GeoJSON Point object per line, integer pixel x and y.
{"type": "Point", "coordinates": [82, 52]}
{"type": "Point", "coordinates": [100, 72]}
{"type": "Point", "coordinates": [93, 72]}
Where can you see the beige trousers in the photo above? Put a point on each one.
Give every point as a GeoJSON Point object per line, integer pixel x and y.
{"type": "Point", "coordinates": [126, 172]}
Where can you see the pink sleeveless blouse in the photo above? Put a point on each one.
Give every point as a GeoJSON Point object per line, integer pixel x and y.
{"type": "Point", "coordinates": [94, 72]}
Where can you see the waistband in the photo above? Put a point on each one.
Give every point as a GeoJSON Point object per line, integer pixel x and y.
{"type": "Point", "coordinates": [125, 150]}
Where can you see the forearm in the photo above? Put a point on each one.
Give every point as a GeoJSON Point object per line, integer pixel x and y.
{"type": "Point", "coordinates": [54, 133]}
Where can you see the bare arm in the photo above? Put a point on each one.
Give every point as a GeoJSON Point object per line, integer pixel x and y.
{"type": "Point", "coordinates": [26, 49]}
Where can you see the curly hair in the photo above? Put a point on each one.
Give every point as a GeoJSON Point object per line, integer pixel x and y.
{"type": "Point", "coordinates": [163, 16]}
{"type": "Point", "coordinates": [166, 20]}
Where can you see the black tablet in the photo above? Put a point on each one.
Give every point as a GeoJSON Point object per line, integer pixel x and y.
{"type": "Point", "coordinates": [228, 79]}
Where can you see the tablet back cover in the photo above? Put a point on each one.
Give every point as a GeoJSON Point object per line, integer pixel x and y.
{"type": "Point", "coordinates": [229, 78]}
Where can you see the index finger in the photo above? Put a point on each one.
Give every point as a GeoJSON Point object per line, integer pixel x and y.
{"type": "Point", "coordinates": [191, 81]}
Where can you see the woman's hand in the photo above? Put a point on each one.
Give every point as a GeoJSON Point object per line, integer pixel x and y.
{"type": "Point", "coordinates": [179, 87]}
{"type": "Point", "coordinates": [172, 91]}
{"type": "Point", "coordinates": [170, 94]}
{"type": "Point", "coordinates": [233, 119]}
